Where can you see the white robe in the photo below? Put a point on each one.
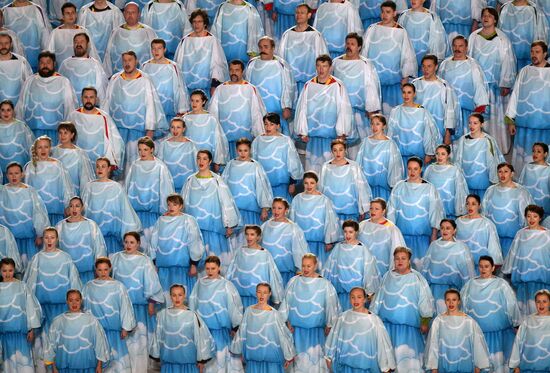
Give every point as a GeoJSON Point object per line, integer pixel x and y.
{"type": "Point", "coordinates": [61, 43]}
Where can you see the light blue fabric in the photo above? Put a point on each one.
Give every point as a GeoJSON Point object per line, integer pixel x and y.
{"type": "Point", "coordinates": [180, 158]}
{"type": "Point", "coordinates": [123, 39]}
{"type": "Point", "coordinates": [77, 164]}
{"type": "Point", "coordinates": [8, 248]}
{"type": "Point", "coordinates": [530, 345]}
{"type": "Point", "coordinates": [451, 185]}
{"type": "Point", "coordinates": [381, 239]}
{"type": "Point", "coordinates": [536, 179]}
{"type": "Point", "coordinates": [481, 237]}
{"type": "Point", "coordinates": [100, 24]}
{"type": "Point", "coordinates": [84, 72]}
{"type": "Point", "coordinates": [13, 73]}
{"type": "Point", "coordinates": [206, 132]}
{"type": "Point", "coordinates": [16, 139]}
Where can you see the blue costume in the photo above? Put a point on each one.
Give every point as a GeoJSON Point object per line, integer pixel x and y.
{"type": "Point", "coordinates": [20, 313]}
{"type": "Point", "coordinates": [264, 341]}
{"type": "Point", "coordinates": [451, 185]}
{"type": "Point", "coordinates": [76, 342]}
{"type": "Point", "coordinates": [481, 237]}
{"type": "Point", "coordinates": [528, 263]}
{"type": "Point", "coordinates": [16, 139]}
{"type": "Point", "coordinates": [536, 179]}
{"type": "Point", "coordinates": [209, 200]}
{"type": "Point", "coordinates": [60, 42]}
{"type": "Point", "coordinates": [206, 133]}
{"type": "Point", "coordinates": [176, 244]}
{"type": "Point", "coordinates": [280, 160]}
{"type": "Point", "coordinates": [506, 208]}
{"type": "Point", "coordinates": [24, 213]}
{"type": "Point", "coordinates": [250, 188]}
{"type": "Point", "coordinates": [83, 241]}
{"type": "Point", "coordinates": [310, 305]}
{"type": "Point", "coordinates": [77, 164]}
{"type": "Point", "coordinates": [53, 184]}
{"type": "Point", "coordinates": [401, 302]}
{"type": "Point", "coordinates": [250, 267]}
{"type": "Point", "coordinates": [287, 244]}
{"type": "Point", "coordinates": [492, 303]}
{"type": "Point", "coordinates": [447, 264]}
{"type": "Point", "coordinates": [13, 73]}
{"type": "Point", "coordinates": [456, 344]}
{"type": "Point", "coordinates": [457, 16]}
{"type": "Point", "coordinates": [350, 266]}
{"type": "Point", "coordinates": [382, 165]}
{"type": "Point", "coordinates": [531, 344]}
{"type": "Point", "coordinates": [107, 204]}
{"type": "Point", "coordinates": [315, 214]}
{"type": "Point", "coordinates": [8, 248]}
{"type": "Point", "coordinates": [209, 6]}
{"type": "Point", "coordinates": [381, 239]}
{"type": "Point", "coordinates": [238, 27]}
{"type": "Point", "coordinates": [285, 10]}
{"type": "Point", "coordinates": [109, 302]}
{"type": "Point", "coordinates": [218, 303]}
{"type": "Point", "coordinates": [137, 272]}
{"type": "Point", "coordinates": [359, 342]}
{"type": "Point", "coordinates": [170, 22]}
{"type": "Point", "coordinates": [478, 158]}
{"type": "Point", "coordinates": [416, 209]}
{"type": "Point", "coordinates": [84, 72]}
{"type": "Point", "coordinates": [181, 340]}
{"type": "Point", "coordinates": [414, 131]}
{"type": "Point", "coordinates": [181, 159]}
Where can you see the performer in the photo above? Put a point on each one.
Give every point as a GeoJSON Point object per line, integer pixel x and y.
{"type": "Point", "coordinates": [14, 69]}
{"type": "Point", "coordinates": [535, 176]}
{"type": "Point", "coordinates": [458, 17]}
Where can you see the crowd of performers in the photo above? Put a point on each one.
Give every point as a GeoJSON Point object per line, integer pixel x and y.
{"type": "Point", "coordinates": [278, 186]}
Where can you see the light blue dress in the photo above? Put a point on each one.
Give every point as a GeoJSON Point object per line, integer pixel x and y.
{"type": "Point", "coordinates": [359, 342]}
{"type": "Point", "coordinates": [505, 206]}
{"type": "Point", "coordinates": [100, 24]}
{"type": "Point", "coordinates": [176, 243]}
{"type": "Point", "coordinates": [457, 16]}
{"type": "Point", "coordinates": [8, 248]}
{"type": "Point", "coordinates": [536, 179]}
{"type": "Point", "coordinates": [531, 344]}
{"type": "Point", "coordinates": [77, 164]}
{"type": "Point", "coordinates": [451, 185]}
{"type": "Point", "coordinates": [83, 241]}
{"type": "Point", "coordinates": [481, 237]}
{"type": "Point", "coordinates": [16, 139]}
{"type": "Point", "coordinates": [382, 165]}
{"type": "Point", "coordinates": [381, 239]}
{"type": "Point", "coordinates": [401, 302]}
{"type": "Point", "coordinates": [218, 303]}
{"type": "Point", "coordinates": [350, 266]}
{"type": "Point", "coordinates": [180, 158]}
{"type": "Point", "coordinates": [181, 340]}
{"type": "Point", "coordinates": [76, 341]}
{"type": "Point", "coordinates": [281, 162]}
{"type": "Point", "coordinates": [206, 132]}
{"type": "Point", "coordinates": [250, 188]}
{"type": "Point", "coordinates": [82, 72]}
{"type": "Point", "coordinates": [109, 302]}
{"type": "Point", "coordinates": [456, 344]}
{"type": "Point", "coordinates": [416, 209]}
{"type": "Point", "coordinates": [528, 263]}
{"type": "Point", "coordinates": [310, 305]}
{"type": "Point", "coordinates": [24, 213]}
{"type": "Point", "coordinates": [447, 264]}
{"type": "Point", "coordinates": [20, 313]}
{"type": "Point", "coordinates": [492, 303]}
{"type": "Point", "coordinates": [107, 204]}
{"type": "Point", "coordinates": [315, 214]}
{"type": "Point", "coordinates": [250, 267]}
{"type": "Point", "coordinates": [264, 341]}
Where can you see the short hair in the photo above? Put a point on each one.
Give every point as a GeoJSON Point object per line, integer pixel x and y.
{"type": "Point", "coordinates": [380, 117]}
{"type": "Point", "coordinates": [492, 11]}
{"type": "Point", "coordinates": [6, 35]}
{"type": "Point", "coordinates": [543, 145]}
{"type": "Point", "coordinates": [74, 291]}
{"type": "Point", "coordinates": [200, 92]}
{"type": "Point", "coordinates": [269, 38]}
{"type": "Point", "coordinates": [129, 53]}
{"type": "Point", "coordinates": [487, 258]}
{"type": "Point", "coordinates": [7, 102]}
{"type": "Point", "coordinates": [416, 159]}
{"type": "Point", "coordinates": [505, 164]}
{"type": "Point", "coordinates": [304, 5]}
{"type": "Point", "coordinates": [460, 37]}
{"type": "Point", "coordinates": [324, 58]}
{"type": "Point", "coordinates": [430, 57]}
{"type": "Point", "coordinates": [280, 200]}
{"type": "Point", "coordinates": [402, 249]}
{"type": "Point", "coordinates": [381, 201]}
{"type": "Point", "coordinates": [539, 210]}
{"type": "Point", "coordinates": [146, 140]}
{"type": "Point", "coordinates": [103, 260]}
{"type": "Point", "coordinates": [357, 37]}
{"type": "Point", "coordinates": [213, 259]}
{"type": "Point", "coordinates": [452, 291]}
{"type": "Point", "coordinates": [158, 41]}
{"type": "Point", "coordinates": [82, 34]}
{"type": "Point", "coordinates": [243, 141]}
{"type": "Point", "coordinates": [351, 224]}
{"type": "Point", "coordinates": [273, 118]}
{"type": "Point", "coordinates": [444, 146]}
{"type": "Point", "coordinates": [255, 228]}
{"type": "Point", "coordinates": [207, 152]}
{"type": "Point", "coordinates": [200, 13]}
{"type": "Point", "coordinates": [47, 54]}
{"type": "Point", "coordinates": [89, 88]}
{"type": "Point", "coordinates": [237, 63]}
{"type": "Point", "coordinates": [450, 221]}
{"type": "Point", "coordinates": [409, 85]}
{"type": "Point", "coordinates": [7, 262]}
{"type": "Point", "coordinates": [388, 4]}
{"type": "Point", "coordinates": [132, 234]}
{"type": "Point", "coordinates": [335, 142]}
{"type": "Point", "coordinates": [175, 198]}
{"type": "Point", "coordinates": [479, 117]}
{"type": "Point", "coordinates": [14, 164]}
{"type": "Point", "coordinates": [540, 43]}
{"type": "Point", "coordinates": [68, 126]}
{"type": "Point", "coordinates": [176, 286]}
{"type": "Point", "coordinates": [542, 292]}
{"type": "Point", "coordinates": [67, 5]}
{"type": "Point", "coordinates": [311, 175]}
{"type": "Point", "coordinates": [264, 284]}
{"type": "Point", "coordinates": [474, 196]}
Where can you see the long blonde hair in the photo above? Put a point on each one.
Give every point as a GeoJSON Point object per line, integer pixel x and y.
{"type": "Point", "coordinates": [33, 148]}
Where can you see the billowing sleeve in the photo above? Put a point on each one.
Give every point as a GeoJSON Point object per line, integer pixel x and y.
{"type": "Point", "coordinates": [51, 340]}
{"type": "Point", "coordinates": [295, 167]}
{"type": "Point", "coordinates": [70, 102]}
{"type": "Point", "coordinates": [476, 7]}
{"type": "Point", "coordinates": [481, 94]}
{"type": "Point", "coordinates": [181, 99]}
{"type": "Point", "coordinates": [22, 101]}
{"type": "Point", "coordinates": [371, 278]}
{"type": "Point", "coordinates": [508, 67]}
{"type": "Point", "coordinates": [255, 31]}
{"type": "Point", "coordinates": [437, 213]}
{"type": "Point", "coordinates": [230, 212]}
{"type": "Point", "coordinates": [264, 194]}
{"type": "Point", "coordinates": [32, 309]}
{"type": "Point", "coordinates": [541, 27]}
{"type": "Point", "coordinates": [332, 223]}
{"type": "Point", "coordinates": [31, 273]}
{"type": "Point", "coordinates": [299, 245]}
{"type": "Point", "coordinates": [364, 193]}
{"type": "Point", "coordinates": [332, 305]}
{"type": "Point", "coordinates": [517, 348]}
{"type": "Point", "coordinates": [74, 275]}
{"type": "Point", "coordinates": [343, 122]}
{"type": "Point", "coordinates": [154, 240]}
{"type": "Point", "coordinates": [221, 149]}
{"type": "Point", "coordinates": [11, 250]}
{"type": "Point", "coordinates": [432, 137]}
{"type": "Point", "coordinates": [511, 109]}
{"type": "Point", "coordinates": [128, 319]}
{"type": "Point", "coordinates": [512, 307]}
{"type": "Point", "coordinates": [385, 356]}
{"type": "Point", "coordinates": [275, 280]}
{"type": "Point", "coordinates": [68, 190]}
{"type": "Point", "coordinates": [218, 63]}
{"type": "Point", "coordinates": [332, 339]}
{"type": "Point", "coordinates": [40, 219]}
{"type": "Point", "coordinates": [130, 220]}
{"type": "Point", "coordinates": [285, 337]}
{"type": "Point", "coordinates": [453, 116]}
{"type": "Point", "coordinates": [438, 42]}
{"type": "Point", "coordinates": [393, 202]}
{"type": "Point", "coordinates": [397, 240]}
{"type": "Point", "coordinates": [98, 242]}
{"type": "Point", "coordinates": [372, 88]}
{"type": "Point", "coordinates": [151, 287]}
{"type": "Point", "coordinates": [86, 171]}
{"type": "Point", "coordinates": [299, 125]}
{"type": "Point", "coordinates": [479, 347]}
{"type": "Point", "coordinates": [494, 158]}
{"type": "Point", "coordinates": [320, 44]}
{"type": "Point", "coordinates": [213, 105]}
{"type": "Point", "coordinates": [257, 112]}
{"type": "Point", "coordinates": [239, 339]}
{"type": "Point", "coordinates": [204, 343]}
{"type": "Point", "coordinates": [493, 246]}
{"type": "Point", "coordinates": [426, 301]}
{"type": "Point", "coordinates": [289, 294]}
{"type": "Point", "coordinates": [166, 186]}
{"type": "Point", "coordinates": [461, 192]}
{"type": "Point", "coordinates": [194, 238]}
{"type": "Point", "coordinates": [101, 346]}
{"type": "Point", "coordinates": [409, 66]}
{"type": "Point", "coordinates": [431, 354]}
{"type": "Point", "coordinates": [395, 165]}
{"type": "Point", "coordinates": [234, 304]}
{"type": "Point", "coordinates": [354, 21]}
{"type": "Point", "coordinates": [288, 97]}
{"type": "Point", "coordinates": [155, 119]}
{"type": "Point", "coordinates": [467, 269]}
{"type": "Point", "coordinates": [525, 199]}
{"type": "Point", "coordinates": [154, 349]}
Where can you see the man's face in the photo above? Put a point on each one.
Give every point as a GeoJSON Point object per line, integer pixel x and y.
{"type": "Point", "coordinates": [89, 99]}
{"type": "Point", "coordinates": [235, 73]}
{"type": "Point", "coordinates": [80, 46]}
{"type": "Point", "coordinates": [46, 67]}
{"type": "Point", "coordinates": [352, 47]}
{"type": "Point", "coordinates": [537, 55]}
{"type": "Point", "coordinates": [5, 45]}
{"type": "Point", "coordinates": [459, 48]}
{"type": "Point", "coordinates": [158, 50]}
{"type": "Point", "coordinates": [428, 68]}
{"type": "Point", "coordinates": [129, 63]}
{"type": "Point", "coordinates": [69, 16]}
{"type": "Point", "coordinates": [387, 15]}
{"type": "Point", "coordinates": [266, 50]}
{"type": "Point", "coordinates": [323, 69]}
{"type": "Point", "coordinates": [131, 14]}
{"type": "Point", "coordinates": [301, 15]}
{"type": "Point", "coordinates": [198, 24]}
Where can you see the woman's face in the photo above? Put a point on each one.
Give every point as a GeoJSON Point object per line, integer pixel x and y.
{"type": "Point", "coordinates": [350, 234]}
{"type": "Point", "coordinates": [308, 267]}
{"type": "Point", "coordinates": [177, 128]}
{"type": "Point", "coordinates": [102, 170]}
{"type": "Point", "coordinates": [102, 271]}
{"type": "Point", "coordinates": [75, 208]}
{"type": "Point", "coordinates": [474, 124]}
{"type": "Point", "coordinates": [447, 231]}
{"type": "Point", "coordinates": [533, 219]}
{"type": "Point", "coordinates": [452, 301]}
{"type": "Point", "coordinates": [414, 171]}
{"type": "Point", "coordinates": [177, 296]}
{"type": "Point", "coordinates": [145, 152]}
{"type": "Point", "coordinates": [203, 163]}
{"type": "Point", "coordinates": [472, 205]}
{"type": "Point", "coordinates": [310, 185]}
{"type": "Point", "coordinates": [212, 270]}
{"type": "Point", "coordinates": [263, 294]}
{"type": "Point", "coordinates": [43, 148]}
{"type": "Point", "coordinates": [538, 154]}
{"type": "Point", "coordinates": [131, 245]}
{"type": "Point", "coordinates": [339, 151]}
{"type": "Point", "coordinates": [377, 127]}
{"type": "Point", "coordinates": [505, 174]}
{"type": "Point", "coordinates": [485, 269]}
{"type": "Point", "coordinates": [401, 262]}
{"type": "Point", "coordinates": [6, 113]}
{"type": "Point", "coordinates": [50, 239]}
{"type": "Point", "coordinates": [542, 303]}
{"type": "Point", "coordinates": [197, 103]}
{"type": "Point", "coordinates": [441, 156]}
{"type": "Point", "coordinates": [74, 301]}
{"type": "Point", "coordinates": [279, 210]}
{"type": "Point", "coordinates": [408, 94]}
{"type": "Point", "coordinates": [7, 271]}
{"type": "Point", "coordinates": [357, 299]}
{"type": "Point", "coordinates": [376, 211]}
